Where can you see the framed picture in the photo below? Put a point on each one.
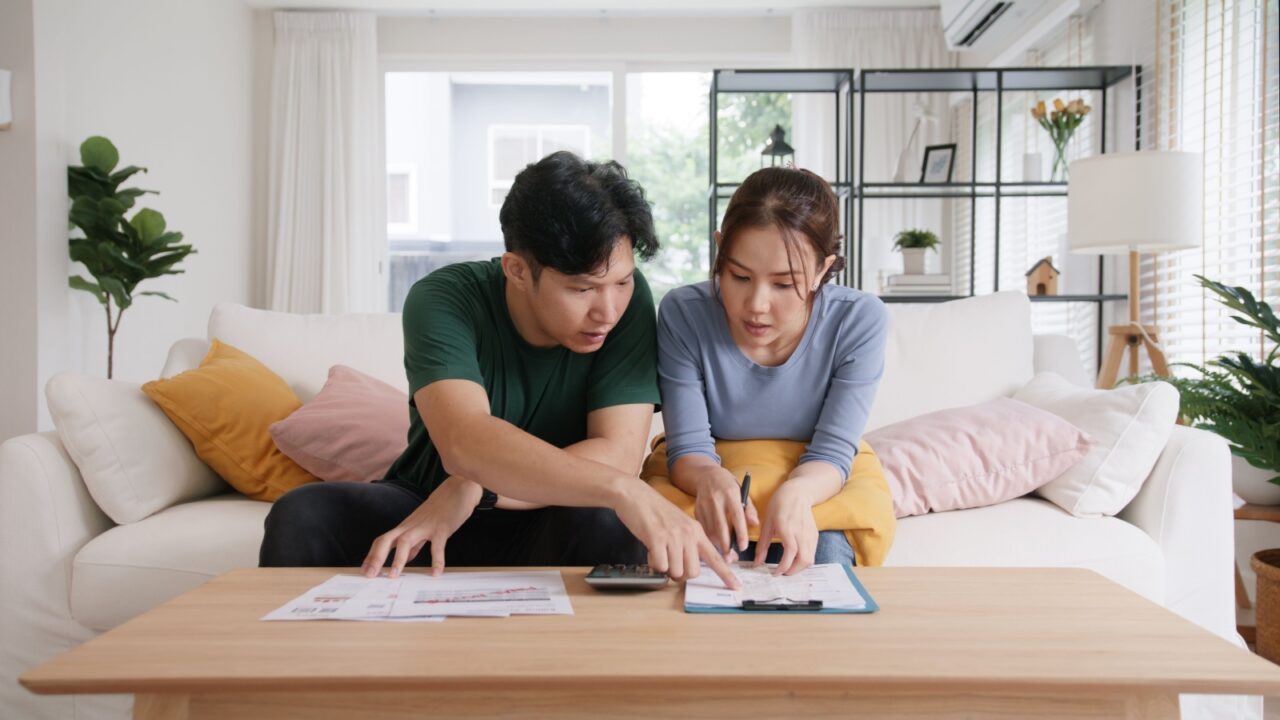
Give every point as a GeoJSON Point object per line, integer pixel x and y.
{"type": "Point", "coordinates": [938, 161]}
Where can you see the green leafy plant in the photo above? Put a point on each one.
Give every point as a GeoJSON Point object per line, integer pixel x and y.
{"type": "Point", "coordinates": [1236, 396]}
{"type": "Point", "coordinates": [118, 252]}
{"type": "Point", "coordinates": [908, 239]}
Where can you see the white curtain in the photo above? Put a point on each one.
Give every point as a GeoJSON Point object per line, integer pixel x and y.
{"type": "Point", "coordinates": [867, 40]}
{"type": "Point", "coordinates": [326, 234]}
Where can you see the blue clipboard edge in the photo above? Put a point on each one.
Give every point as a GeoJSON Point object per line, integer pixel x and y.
{"type": "Point", "coordinates": [870, 607]}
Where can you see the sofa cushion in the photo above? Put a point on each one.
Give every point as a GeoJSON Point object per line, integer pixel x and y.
{"type": "Point", "coordinates": [302, 348]}
{"type": "Point", "coordinates": [225, 408]}
{"type": "Point", "coordinates": [974, 456]}
{"type": "Point", "coordinates": [351, 431]}
{"type": "Point", "coordinates": [1129, 426]}
{"type": "Point", "coordinates": [130, 569]}
{"type": "Point", "coordinates": [944, 355]}
{"type": "Point", "coordinates": [133, 460]}
{"type": "Point", "coordinates": [1032, 532]}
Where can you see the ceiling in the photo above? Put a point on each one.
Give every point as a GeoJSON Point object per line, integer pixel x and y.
{"type": "Point", "coordinates": [581, 7]}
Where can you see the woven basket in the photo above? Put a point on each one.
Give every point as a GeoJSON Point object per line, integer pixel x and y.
{"type": "Point", "coordinates": [1266, 563]}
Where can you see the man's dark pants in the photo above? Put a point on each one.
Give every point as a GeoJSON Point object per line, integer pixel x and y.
{"type": "Point", "coordinates": [334, 525]}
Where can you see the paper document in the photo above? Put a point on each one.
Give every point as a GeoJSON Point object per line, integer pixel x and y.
{"type": "Point", "coordinates": [346, 597]}
{"type": "Point", "coordinates": [417, 597]}
{"type": "Point", "coordinates": [484, 594]}
{"type": "Point", "coordinates": [828, 582]}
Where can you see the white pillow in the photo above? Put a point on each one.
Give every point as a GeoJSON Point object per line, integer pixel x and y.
{"type": "Point", "coordinates": [134, 461]}
{"type": "Point", "coordinates": [953, 354]}
{"type": "Point", "coordinates": [1129, 426]}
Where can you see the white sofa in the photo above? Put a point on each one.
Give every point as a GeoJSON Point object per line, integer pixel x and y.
{"type": "Point", "coordinates": [68, 573]}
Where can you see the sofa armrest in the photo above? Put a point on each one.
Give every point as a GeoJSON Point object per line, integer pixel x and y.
{"type": "Point", "coordinates": [46, 516]}
{"type": "Point", "coordinates": [184, 355]}
{"type": "Point", "coordinates": [1185, 506]}
{"type": "Point", "coordinates": [1059, 354]}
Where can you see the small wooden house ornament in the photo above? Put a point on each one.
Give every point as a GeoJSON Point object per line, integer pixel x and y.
{"type": "Point", "coordinates": [1042, 278]}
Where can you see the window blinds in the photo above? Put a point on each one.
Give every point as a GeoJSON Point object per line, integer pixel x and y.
{"type": "Point", "coordinates": [1213, 87]}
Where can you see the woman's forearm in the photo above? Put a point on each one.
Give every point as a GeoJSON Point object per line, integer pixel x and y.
{"type": "Point", "coordinates": [816, 480]}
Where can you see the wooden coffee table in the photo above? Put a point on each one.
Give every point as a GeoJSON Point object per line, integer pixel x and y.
{"type": "Point", "coordinates": [998, 642]}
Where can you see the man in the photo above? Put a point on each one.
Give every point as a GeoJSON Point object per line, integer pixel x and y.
{"type": "Point", "coordinates": [533, 381]}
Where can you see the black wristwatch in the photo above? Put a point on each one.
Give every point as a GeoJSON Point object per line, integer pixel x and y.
{"type": "Point", "coordinates": [488, 499]}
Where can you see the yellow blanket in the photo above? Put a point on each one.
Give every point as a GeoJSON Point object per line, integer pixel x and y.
{"type": "Point", "coordinates": [863, 509]}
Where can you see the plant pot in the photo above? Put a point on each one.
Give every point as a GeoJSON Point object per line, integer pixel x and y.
{"type": "Point", "coordinates": [913, 260]}
{"type": "Point", "coordinates": [1251, 483]}
{"type": "Point", "coordinates": [1266, 563]}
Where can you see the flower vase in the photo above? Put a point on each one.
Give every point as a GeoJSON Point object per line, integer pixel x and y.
{"type": "Point", "coordinates": [1059, 173]}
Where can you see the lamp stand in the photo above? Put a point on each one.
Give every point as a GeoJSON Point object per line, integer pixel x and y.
{"type": "Point", "coordinates": [1132, 337]}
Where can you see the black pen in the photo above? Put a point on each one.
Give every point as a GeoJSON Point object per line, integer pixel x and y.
{"type": "Point", "coordinates": [746, 493]}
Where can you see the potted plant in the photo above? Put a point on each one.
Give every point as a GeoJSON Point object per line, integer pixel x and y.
{"type": "Point", "coordinates": [1238, 397]}
{"type": "Point", "coordinates": [913, 244]}
{"type": "Point", "coordinates": [118, 252]}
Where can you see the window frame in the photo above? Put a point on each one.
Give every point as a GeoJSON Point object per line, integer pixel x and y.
{"type": "Point", "coordinates": [496, 183]}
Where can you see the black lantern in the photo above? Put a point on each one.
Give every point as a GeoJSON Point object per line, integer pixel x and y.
{"type": "Point", "coordinates": [777, 149]}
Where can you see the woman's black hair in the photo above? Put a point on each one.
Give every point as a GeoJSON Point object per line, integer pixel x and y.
{"type": "Point", "coordinates": [797, 202]}
{"type": "Point", "coordinates": [567, 214]}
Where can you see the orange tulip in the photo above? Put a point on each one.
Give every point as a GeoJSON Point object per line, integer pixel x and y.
{"type": "Point", "coordinates": [1057, 105]}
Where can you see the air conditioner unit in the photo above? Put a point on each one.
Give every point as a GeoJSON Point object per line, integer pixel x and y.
{"type": "Point", "coordinates": [994, 25]}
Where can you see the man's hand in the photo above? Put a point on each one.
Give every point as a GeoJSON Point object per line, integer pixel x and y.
{"type": "Point", "coordinates": [789, 518]}
{"type": "Point", "coordinates": [718, 508]}
{"type": "Point", "coordinates": [676, 542]}
{"type": "Point", "coordinates": [433, 522]}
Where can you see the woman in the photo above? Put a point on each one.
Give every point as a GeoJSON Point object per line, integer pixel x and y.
{"type": "Point", "coordinates": [769, 349]}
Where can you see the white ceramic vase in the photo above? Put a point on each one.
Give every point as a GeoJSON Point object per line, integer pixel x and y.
{"type": "Point", "coordinates": [1251, 483]}
{"type": "Point", "coordinates": [913, 260]}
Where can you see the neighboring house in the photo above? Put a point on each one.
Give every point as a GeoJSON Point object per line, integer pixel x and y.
{"type": "Point", "coordinates": [455, 142]}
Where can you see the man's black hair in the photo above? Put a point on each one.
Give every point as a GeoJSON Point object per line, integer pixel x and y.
{"type": "Point", "coordinates": [567, 214]}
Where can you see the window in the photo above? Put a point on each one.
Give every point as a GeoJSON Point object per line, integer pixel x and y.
{"type": "Point", "coordinates": [402, 199]}
{"type": "Point", "coordinates": [469, 133]}
{"type": "Point", "coordinates": [454, 142]}
{"type": "Point", "coordinates": [1216, 89]}
{"type": "Point", "coordinates": [667, 153]}
{"type": "Point", "coordinates": [512, 147]}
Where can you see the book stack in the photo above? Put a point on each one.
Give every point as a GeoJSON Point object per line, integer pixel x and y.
{"type": "Point", "coordinates": [926, 284]}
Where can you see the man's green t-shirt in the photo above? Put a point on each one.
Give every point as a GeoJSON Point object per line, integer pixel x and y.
{"type": "Point", "coordinates": [457, 326]}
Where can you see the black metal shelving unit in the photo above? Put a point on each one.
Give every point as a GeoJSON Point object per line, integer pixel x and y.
{"type": "Point", "coordinates": [856, 192]}
{"type": "Point", "coordinates": [837, 82]}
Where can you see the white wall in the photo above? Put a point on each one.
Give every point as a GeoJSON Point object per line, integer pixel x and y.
{"type": "Point", "coordinates": [172, 84]}
{"type": "Point", "coordinates": [18, 352]}
{"type": "Point", "coordinates": [766, 39]}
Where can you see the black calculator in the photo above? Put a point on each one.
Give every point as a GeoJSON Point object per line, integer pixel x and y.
{"type": "Point", "coordinates": [625, 577]}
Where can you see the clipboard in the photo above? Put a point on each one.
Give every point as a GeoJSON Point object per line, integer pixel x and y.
{"type": "Point", "coordinates": [798, 608]}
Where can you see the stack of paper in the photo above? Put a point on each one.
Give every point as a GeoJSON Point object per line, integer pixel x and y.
{"type": "Point", "coordinates": [420, 597]}
{"type": "Point", "coordinates": [831, 583]}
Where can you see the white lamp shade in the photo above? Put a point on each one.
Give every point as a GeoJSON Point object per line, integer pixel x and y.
{"type": "Point", "coordinates": [1143, 201]}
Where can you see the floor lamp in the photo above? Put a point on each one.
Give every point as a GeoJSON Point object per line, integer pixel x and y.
{"type": "Point", "coordinates": [1132, 203]}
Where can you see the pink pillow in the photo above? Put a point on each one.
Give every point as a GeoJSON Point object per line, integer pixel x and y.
{"type": "Point", "coordinates": [353, 429]}
{"type": "Point", "coordinates": [974, 456]}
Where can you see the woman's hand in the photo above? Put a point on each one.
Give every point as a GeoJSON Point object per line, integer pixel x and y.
{"type": "Point", "coordinates": [789, 518]}
{"type": "Point", "coordinates": [718, 508]}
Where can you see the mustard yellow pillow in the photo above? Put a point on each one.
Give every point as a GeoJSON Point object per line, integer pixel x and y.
{"type": "Point", "coordinates": [226, 407]}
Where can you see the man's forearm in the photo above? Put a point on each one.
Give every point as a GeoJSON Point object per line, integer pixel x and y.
{"type": "Point", "coordinates": [515, 464]}
{"type": "Point", "coordinates": [600, 450]}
